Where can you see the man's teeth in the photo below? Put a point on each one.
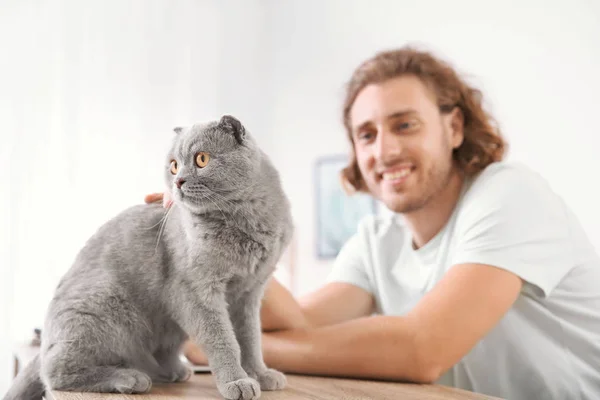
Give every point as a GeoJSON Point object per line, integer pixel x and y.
{"type": "Point", "coordinates": [388, 176]}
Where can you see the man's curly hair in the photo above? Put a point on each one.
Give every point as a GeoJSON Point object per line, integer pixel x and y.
{"type": "Point", "coordinates": [483, 143]}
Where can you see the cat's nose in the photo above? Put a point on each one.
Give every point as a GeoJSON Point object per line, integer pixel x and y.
{"type": "Point", "coordinates": [179, 182]}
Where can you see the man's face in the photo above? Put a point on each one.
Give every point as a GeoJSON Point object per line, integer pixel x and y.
{"type": "Point", "coordinates": [403, 143]}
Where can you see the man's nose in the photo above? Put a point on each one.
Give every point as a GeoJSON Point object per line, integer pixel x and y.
{"type": "Point", "coordinates": [179, 182]}
{"type": "Point", "coordinates": [387, 145]}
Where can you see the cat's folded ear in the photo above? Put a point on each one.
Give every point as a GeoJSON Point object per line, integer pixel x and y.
{"type": "Point", "coordinates": [233, 125]}
{"type": "Point", "coordinates": [178, 129]}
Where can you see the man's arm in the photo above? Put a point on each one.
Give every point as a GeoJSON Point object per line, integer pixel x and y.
{"type": "Point", "coordinates": [418, 347]}
{"type": "Point", "coordinates": [279, 310]}
{"type": "Point", "coordinates": [333, 303]}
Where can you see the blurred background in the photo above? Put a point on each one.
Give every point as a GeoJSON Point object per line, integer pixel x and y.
{"type": "Point", "coordinates": [90, 92]}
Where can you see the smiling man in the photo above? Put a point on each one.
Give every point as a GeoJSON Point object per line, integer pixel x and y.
{"type": "Point", "coordinates": [482, 278]}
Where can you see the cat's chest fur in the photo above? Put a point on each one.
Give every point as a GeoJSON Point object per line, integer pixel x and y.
{"type": "Point", "coordinates": [229, 244]}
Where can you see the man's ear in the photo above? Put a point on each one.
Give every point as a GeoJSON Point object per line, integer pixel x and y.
{"type": "Point", "coordinates": [456, 126]}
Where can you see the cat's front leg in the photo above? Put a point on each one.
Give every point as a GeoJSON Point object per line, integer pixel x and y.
{"type": "Point", "coordinates": [245, 315]}
{"type": "Point", "coordinates": [173, 369]}
{"type": "Point", "coordinates": [207, 321]}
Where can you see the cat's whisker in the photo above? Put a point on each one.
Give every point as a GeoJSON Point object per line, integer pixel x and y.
{"type": "Point", "coordinates": [243, 213]}
{"type": "Point", "coordinates": [228, 191]}
{"type": "Point", "coordinates": [241, 205]}
{"type": "Point", "coordinates": [237, 204]}
{"type": "Point", "coordinates": [162, 227]}
{"type": "Point", "coordinates": [216, 205]}
{"type": "Point", "coordinates": [213, 198]}
{"type": "Point", "coordinates": [161, 220]}
{"type": "Point", "coordinates": [251, 186]}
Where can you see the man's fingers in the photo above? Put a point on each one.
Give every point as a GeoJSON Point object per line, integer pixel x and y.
{"type": "Point", "coordinates": [164, 198]}
{"type": "Point", "coordinates": [194, 353]}
{"type": "Point", "coordinates": [153, 198]}
{"type": "Point", "coordinates": [167, 200]}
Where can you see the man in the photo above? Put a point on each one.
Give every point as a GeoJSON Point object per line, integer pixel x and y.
{"type": "Point", "coordinates": [482, 278]}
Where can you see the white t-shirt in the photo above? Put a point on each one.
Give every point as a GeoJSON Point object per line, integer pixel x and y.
{"type": "Point", "coordinates": [548, 344]}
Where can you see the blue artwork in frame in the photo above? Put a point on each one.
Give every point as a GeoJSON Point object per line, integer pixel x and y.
{"type": "Point", "coordinates": [338, 213]}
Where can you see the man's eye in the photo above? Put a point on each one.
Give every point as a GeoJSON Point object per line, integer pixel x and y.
{"type": "Point", "coordinates": [407, 125]}
{"type": "Point", "coordinates": [365, 136]}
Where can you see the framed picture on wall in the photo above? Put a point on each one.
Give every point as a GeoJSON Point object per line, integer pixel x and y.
{"type": "Point", "coordinates": [337, 213]}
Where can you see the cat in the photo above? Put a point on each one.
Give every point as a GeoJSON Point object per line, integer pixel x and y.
{"type": "Point", "coordinates": [148, 280]}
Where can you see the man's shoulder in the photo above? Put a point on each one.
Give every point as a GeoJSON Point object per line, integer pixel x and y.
{"type": "Point", "coordinates": [507, 171]}
{"type": "Point", "coordinates": [509, 191]}
{"type": "Point", "coordinates": [504, 180]}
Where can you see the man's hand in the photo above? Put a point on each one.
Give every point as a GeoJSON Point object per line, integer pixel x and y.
{"type": "Point", "coordinates": [194, 353]}
{"type": "Point", "coordinates": [157, 197]}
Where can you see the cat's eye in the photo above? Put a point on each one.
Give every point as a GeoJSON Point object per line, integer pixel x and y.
{"type": "Point", "coordinates": [174, 167]}
{"type": "Point", "coordinates": [202, 159]}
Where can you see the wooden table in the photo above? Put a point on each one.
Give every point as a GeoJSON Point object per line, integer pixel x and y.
{"type": "Point", "coordinates": [202, 386]}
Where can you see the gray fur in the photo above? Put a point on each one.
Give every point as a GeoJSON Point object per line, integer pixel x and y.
{"type": "Point", "coordinates": [144, 281]}
{"type": "Point", "coordinates": [28, 385]}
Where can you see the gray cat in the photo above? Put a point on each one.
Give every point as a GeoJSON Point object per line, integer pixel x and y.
{"type": "Point", "coordinates": [146, 280]}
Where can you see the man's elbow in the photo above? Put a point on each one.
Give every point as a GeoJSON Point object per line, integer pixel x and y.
{"type": "Point", "coordinates": [417, 373]}
{"type": "Point", "coordinates": [428, 374]}
{"type": "Point", "coordinates": [432, 356]}
{"type": "Point", "coordinates": [427, 365]}
{"type": "Point", "coordinates": [415, 369]}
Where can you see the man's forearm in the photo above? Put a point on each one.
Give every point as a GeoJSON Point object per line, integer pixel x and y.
{"type": "Point", "coordinates": [280, 310]}
{"type": "Point", "coordinates": [378, 347]}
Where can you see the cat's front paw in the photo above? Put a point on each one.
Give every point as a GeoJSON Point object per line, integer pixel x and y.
{"type": "Point", "coordinates": [183, 373]}
{"type": "Point", "coordinates": [270, 379]}
{"type": "Point", "coordinates": [242, 389]}
{"type": "Point", "coordinates": [177, 373]}
{"type": "Point", "coordinates": [131, 381]}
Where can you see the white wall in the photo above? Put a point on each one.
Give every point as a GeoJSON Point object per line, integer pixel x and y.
{"type": "Point", "coordinates": [5, 272]}
{"type": "Point", "coordinates": [90, 92]}
{"type": "Point", "coordinates": [537, 61]}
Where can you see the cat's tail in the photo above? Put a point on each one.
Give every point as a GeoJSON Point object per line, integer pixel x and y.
{"type": "Point", "coordinates": [27, 385]}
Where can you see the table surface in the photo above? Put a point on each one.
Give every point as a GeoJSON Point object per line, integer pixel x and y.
{"type": "Point", "coordinates": [202, 386]}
